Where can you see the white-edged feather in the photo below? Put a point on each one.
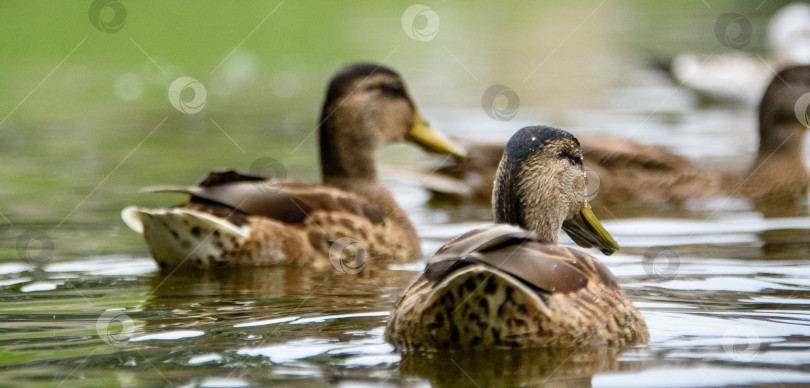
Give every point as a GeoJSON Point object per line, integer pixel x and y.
{"type": "Point", "coordinates": [177, 235]}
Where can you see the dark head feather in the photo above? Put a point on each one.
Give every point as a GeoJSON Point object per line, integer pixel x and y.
{"type": "Point", "coordinates": [782, 93]}
{"type": "Point", "coordinates": [778, 120]}
{"type": "Point", "coordinates": [528, 140]}
{"type": "Point", "coordinates": [345, 77]}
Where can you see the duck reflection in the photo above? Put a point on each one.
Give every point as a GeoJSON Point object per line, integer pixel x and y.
{"type": "Point", "coordinates": [784, 243]}
{"type": "Point", "coordinates": [501, 367]}
{"type": "Point", "coordinates": [240, 294]}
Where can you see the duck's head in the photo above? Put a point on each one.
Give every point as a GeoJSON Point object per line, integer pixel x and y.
{"type": "Point", "coordinates": [784, 113]}
{"type": "Point", "coordinates": [540, 186]}
{"type": "Point", "coordinates": [367, 106]}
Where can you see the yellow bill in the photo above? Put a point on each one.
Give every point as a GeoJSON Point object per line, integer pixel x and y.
{"type": "Point", "coordinates": [432, 140]}
{"type": "Point", "coordinates": [587, 232]}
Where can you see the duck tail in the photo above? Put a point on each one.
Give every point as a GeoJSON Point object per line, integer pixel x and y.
{"type": "Point", "coordinates": [475, 307]}
{"type": "Point", "coordinates": [179, 237]}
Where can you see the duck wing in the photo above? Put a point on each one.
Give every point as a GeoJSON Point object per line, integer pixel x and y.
{"type": "Point", "coordinates": [543, 266]}
{"type": "Point", "coordinates": [615, 153]}
{"type": "Point", "coordinates": [288, 202]}
{"type": "Point", "coordinates": [629, 171]}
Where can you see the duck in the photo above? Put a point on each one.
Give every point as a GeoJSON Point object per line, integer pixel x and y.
{"type": "Point", "coordinates": [739, 77]}
{"type": "Point", "coordinates": [509, 285]}
{"type": "Point", "coordinates": [623, 171]}
{"type": "Point", "coordinates": [242, 219]}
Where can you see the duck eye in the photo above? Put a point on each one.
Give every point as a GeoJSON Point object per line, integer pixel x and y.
{"type": "Point", "coordinates": [393, 88]}
{"type": "Point", "coordinates": [574, 157]}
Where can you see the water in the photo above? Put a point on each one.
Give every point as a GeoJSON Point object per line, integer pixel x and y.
{"type": "Point", "coordinates": [723, 284]}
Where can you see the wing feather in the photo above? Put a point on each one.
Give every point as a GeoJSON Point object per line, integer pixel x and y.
{"type": "Point", "coordinates": [545, 266]}
{"type": "Point", "coordinates": [289, 202]}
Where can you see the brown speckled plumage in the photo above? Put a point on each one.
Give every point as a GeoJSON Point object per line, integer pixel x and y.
{"type": "Point", "coordinates": [236, 219]}
{"type": "Point", "coordinates": [505, 286]}
{"type": "Point", "coordinates": [633, 172]}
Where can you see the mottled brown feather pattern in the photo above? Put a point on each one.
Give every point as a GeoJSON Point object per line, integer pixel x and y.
{"type": "Point", "coordinates": [481, 306]}
{"type": "Point", "coordinates": [307, 240]}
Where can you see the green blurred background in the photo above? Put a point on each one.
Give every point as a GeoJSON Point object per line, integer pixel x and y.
{"type": "Point", "coordinates": [79, 106]}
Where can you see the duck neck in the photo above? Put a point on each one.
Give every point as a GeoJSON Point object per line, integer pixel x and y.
{"type": "Point", "coordinates": [519, 202]}
{"type": "Point", "coordinates": [779, 169]}
{"type": "Point", "coordinates": [349, 163]}
{"type": "Point", "coordinates": [348, 154]}
{"type": "Point", "coordinates": [781, 141]}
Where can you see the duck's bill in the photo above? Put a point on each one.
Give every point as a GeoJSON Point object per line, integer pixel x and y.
{"type": "Point", "coordinates": [432, 140]}
{"type": "Point", "coordinates": [587, 232]}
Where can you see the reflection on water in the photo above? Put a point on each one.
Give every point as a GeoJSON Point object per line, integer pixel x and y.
{"type": "Point", "coordinates": [569, 367]}
{"type": "Point", "coordinates": [724, 284]}
{"type": "Point", "coordinates": [739, 296]}
{"type": "Point", "coordinates": [785, 244]}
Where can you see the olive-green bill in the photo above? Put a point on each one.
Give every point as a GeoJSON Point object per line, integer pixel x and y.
{"type": "Point", "coordinates": [432, 140]}
{"type": "Point", "coordinates": [587, 232]}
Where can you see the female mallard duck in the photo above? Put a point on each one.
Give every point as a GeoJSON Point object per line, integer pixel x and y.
{"type": "Point", "coordinates": [241, 219]}
{"type": "Point", "coordinates": [509, 284]}
{"type": "Point", "coordinates": [632, 172]}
